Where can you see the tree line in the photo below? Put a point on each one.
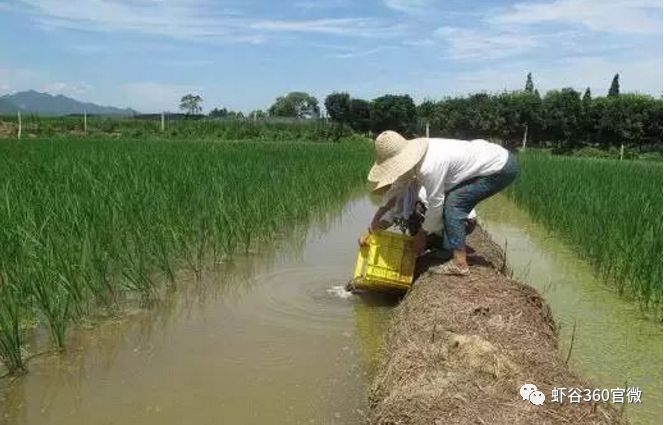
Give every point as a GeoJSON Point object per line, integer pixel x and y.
{"type": "Point", "coordinates": [565, 118]}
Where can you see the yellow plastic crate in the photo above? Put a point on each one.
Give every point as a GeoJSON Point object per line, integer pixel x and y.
{"type": "Point", "coordinates": [386, 263]}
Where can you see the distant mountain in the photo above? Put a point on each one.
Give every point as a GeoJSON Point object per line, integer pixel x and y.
{"type": "Point", "coordinates": [45, 104]}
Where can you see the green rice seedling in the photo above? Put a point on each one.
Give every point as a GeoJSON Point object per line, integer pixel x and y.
{"type": "Point", "coordinates": [88, 223]}
{"type": "Point", "coordinates": [11, 313]}
{"type": "Point", "coordinates": [611, 211]}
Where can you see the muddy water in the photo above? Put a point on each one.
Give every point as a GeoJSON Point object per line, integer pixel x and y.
{"type": "Point", "coordinates": [270, 339]}
{"type": "Point", "coordinates": [614, 344]}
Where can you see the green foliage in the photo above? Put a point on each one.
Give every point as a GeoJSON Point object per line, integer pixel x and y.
{"type": "Point", "coordinates": [628, 117]}
{"type": "Point", "coordinates": [360, 118]}
{"type": "Point", "coordinates": [614, 90]}
{"type": "Point", "coordinates": [218, 113]}
{"type": "Point", "coordinates": [610, 210]}
{"type": "Point", "coordinates": [338, 107]}
{"type": "Point", "coordinates": [393, 112]}
{"type": "Point", "coordinates": [562, 110]}
{"type": "Point", "coordinates": [530, 86]}
{"type": "Point", "coordinates": [257, 115]}
{"type": "Point", "coordinates": [232, 127]}
{"type": "Point", "coordinates": [90, 223]}
{"type": "Point", "coordinates": [191, 104]}
{"type": "Point", "coordinates": [295, 105]}
{"type": "Point", "coordinates": [562, 119]}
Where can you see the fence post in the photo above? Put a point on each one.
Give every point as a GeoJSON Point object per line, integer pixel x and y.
{"type": "Point", "coordinates": [19, 124]}
{"type": "Point", "coordinates": [622, 151]}
{"type": "Point", "coordinates": [163, 122]}
{"type": "Point", "coordinates": [525, 138]}
{"type": "Point", "coordinates": [85, 122]}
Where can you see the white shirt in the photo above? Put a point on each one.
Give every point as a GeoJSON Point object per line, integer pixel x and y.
{"type": "Point", "coordinates": [407, 194]}
{"type": "Point", "coordinates": [447, 163]}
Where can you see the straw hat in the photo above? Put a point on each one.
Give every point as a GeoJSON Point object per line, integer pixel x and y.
{"type": "Point", "coordinates": [395, 156]}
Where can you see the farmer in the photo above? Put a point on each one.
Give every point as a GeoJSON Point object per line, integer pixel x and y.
{"type": "Point", "coordinates": [455, 174]}
{"type": "Point", "coordinates": [407, 210]}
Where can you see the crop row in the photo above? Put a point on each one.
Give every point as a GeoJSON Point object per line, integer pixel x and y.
{"type": "Point", "coordinates": [85, 224]}
{"type": "Point", "coordinates": [610, 210]}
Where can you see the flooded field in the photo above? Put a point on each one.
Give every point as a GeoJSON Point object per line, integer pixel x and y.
{"type": "Point", "coordinates": [614, 346]}
{"type": "Point", "coordinates": [271, 338]}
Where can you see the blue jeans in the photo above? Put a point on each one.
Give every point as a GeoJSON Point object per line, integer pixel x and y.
{"type": "Point", "coordinates": [462, 198]}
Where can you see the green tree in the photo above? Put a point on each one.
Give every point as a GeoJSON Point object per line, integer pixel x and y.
{"type": "Point", "coordinates": [218, 113]}
{"type": "Point", "coordinates": [562, 116]}
{"type": "Point", "coordinates": [529, 83]}
{"type": "Point", "coordinates": [627, 119]}
{"type": "Point", "coordinates": [257, 114]}
{"type": "Point", "coordinates": [191, 104]}
{"type": "Point", "coordinates": [587, 122]}
{"type": "Point", "coordinates": [338, 106]}
{"type": "Point", "coordinates": [426, 112]}
{"type": "Point", "coordinates": [295, 105]}
{"type": "Point", "coordinates": [360, 115]}
{"type": "Point", "coordinates": [393, 112]}
{"type": "Point", "coordinates": [614, 90]}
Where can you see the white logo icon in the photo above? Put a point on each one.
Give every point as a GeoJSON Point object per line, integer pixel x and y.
{"type": "Point", "coordinates": [536, 398]}
{"type": "Point", "coordinates": [526, 390]}
{"type": "Point", "coordinates": [532, 394]}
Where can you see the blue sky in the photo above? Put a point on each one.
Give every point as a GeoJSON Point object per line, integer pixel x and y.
{"type": "Point", "coordinates": [242, 54]}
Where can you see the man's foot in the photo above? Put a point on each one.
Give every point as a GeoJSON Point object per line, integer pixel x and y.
{"type": "Point", "coordinates": [450, 269]}
{"type": "Point", "coordinates": [439, 254]}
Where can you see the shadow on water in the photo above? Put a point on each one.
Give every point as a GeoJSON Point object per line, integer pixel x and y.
{"type": "Point", "coordinates": [614, 343]}
{"type": "Point", "coordinates": [269, 337]}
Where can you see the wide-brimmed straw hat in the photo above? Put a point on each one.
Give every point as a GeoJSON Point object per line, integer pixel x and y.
{"type": "Point", "coordinates": [394, 156]}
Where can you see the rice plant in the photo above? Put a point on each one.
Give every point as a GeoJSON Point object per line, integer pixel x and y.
{"type": "Point", "coordinates": [611, 211]}
{"type": "Point", "coordinates": [88, 223]}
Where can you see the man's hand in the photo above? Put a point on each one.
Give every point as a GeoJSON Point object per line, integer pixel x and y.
{"type": "Point", "coordinates": [420, 242]}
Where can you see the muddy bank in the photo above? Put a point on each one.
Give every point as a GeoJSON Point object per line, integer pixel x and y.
{"type": "Point", "coordinates": [459, 349]}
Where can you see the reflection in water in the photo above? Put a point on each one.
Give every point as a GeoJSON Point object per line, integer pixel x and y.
{"type": "Point", "coordinates": [258, 339]}
{"type": "Point", "coordinates": [614, 344]}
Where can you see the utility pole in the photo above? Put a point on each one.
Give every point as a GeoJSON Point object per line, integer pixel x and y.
{"type": "Point", "coordinates": [163, 122]}
{"type": "Point", "coordinates": [427, 130]}
{"type": "Point", "coordinates": [525, 138]}
{"type": "Point", "coordinates": [19, 125]}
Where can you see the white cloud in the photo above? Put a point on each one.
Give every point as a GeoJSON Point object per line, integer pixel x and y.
{"type": "Point", "coordinates": [17, 79]}
{"type": "Point", "coordinates": [559, 27]}
{"type": "Point", "coordinates": [322, 4]}
{"type": "Point", "coordinates": [195, 20]}
{"type": "Point", "coordinates": [363, 27]}
{"type": "Point", "coordinates": [361, 53]}
{"type": "Point", "coordinates": [579, 72]}
{"type": "Point", "coordinates": [75, 89]}
{"type": "Point", "coordinates": [621, 16]}
{"type": "Point", "coordinates": [409, 6]}
{"type": "Point", "coordinates": [20, 79]}
{"type": "Point", "coordinates": [468, 44]}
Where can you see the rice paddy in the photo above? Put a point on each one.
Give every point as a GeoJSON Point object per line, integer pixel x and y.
{"type": "Point", "coordinates": [88, 224]}
{"type": "Point", "coordinates": [610, 211]}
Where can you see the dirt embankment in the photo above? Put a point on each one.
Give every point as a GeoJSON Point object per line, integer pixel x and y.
{"type": "Point", "coordinates": [460, 348]}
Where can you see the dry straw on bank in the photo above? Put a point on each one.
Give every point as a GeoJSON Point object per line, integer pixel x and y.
{"type": "Point", "coordinates": [459, 349]}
